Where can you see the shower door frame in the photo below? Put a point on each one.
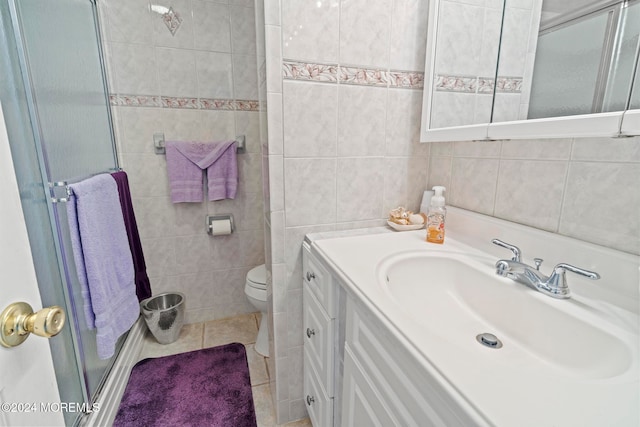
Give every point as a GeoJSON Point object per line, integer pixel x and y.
{"type": "Point", "coordinates": [63, 255]}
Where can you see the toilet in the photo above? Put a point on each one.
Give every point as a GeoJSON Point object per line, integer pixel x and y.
{"type": "Point", "coordinates": [256, 290]}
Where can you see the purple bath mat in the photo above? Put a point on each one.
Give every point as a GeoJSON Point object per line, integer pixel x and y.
{"type": "Point", "coordinates": [208, 387]}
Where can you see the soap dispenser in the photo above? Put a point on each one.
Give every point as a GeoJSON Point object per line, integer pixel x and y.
{"type": "Point", "coordinates": [436, 216]}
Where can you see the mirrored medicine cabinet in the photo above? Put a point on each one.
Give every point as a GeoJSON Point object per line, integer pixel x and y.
{"type": "Point", "coordinates": [515, 69]}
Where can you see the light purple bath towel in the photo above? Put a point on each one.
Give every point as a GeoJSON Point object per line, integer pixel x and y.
{"type": "Point", "coordinates": [103, 260]}
{"type": "Point", "coordinates": [187, 159]}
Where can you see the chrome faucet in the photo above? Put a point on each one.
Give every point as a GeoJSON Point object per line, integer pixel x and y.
{"type": "Point", "coordinates": [555, 285]}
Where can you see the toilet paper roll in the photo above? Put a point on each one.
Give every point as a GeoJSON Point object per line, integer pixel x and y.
{"type": "Point", "coordinates": [221, 227]}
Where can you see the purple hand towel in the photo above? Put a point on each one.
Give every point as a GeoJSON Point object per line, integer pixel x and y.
{"type": "Point", "coordinates": [103, 260]}
{"type": "Point", "coordinates": [143, 285]}
{"type": "Point", "coordinates": [187, 159]}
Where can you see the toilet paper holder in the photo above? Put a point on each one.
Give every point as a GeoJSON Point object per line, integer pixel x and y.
{"type": "Point", "coordinates": [212, 220]}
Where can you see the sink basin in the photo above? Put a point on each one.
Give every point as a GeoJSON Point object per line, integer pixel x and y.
{"type": "Point", "coordinates": [459, 296]}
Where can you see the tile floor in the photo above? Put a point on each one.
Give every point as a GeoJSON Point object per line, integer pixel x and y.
{"type": "Point", "coordinates": [242, 329]}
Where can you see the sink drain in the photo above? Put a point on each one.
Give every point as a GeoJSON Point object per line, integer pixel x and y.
{"type": "Point", "coordinates": [489, 340]}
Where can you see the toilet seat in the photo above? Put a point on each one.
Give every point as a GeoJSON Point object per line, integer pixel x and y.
{"type": "Point", "coordinates": [257, 277]}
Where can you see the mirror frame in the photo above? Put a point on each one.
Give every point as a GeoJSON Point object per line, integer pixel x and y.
{"type": "Point", "coordinates": [612, 124]}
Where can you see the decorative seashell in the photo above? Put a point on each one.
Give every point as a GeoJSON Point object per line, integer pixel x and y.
{"type": "Point", "coordinates": [416, 219]}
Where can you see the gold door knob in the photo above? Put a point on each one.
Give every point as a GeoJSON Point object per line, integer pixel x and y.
{"type": "Point", "coordinates": [18, 320]}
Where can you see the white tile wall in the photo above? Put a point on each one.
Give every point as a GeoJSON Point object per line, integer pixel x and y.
{"type": "Point", "coordinates": [560, 185]}
{"type": "Point", "coordinates": [344, 144]}
{"type": "Point", "coordinates": [199, 61]}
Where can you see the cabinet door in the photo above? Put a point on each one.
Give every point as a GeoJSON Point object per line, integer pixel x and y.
{"type": "Point", "coordinates": [319, 405]}
{"type": "Point", "coordinates": [318, 339]}
{"type": "Point", "coordinates": [361, 404]}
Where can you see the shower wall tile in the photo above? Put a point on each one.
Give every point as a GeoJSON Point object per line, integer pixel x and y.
{"type": "Point", "coordinates": [226, 251]}
{"type": "Point", "coordinates": [134, 67]}
{"type": "Point", "coordinates": [245, 83]}
{"type": "Point", "coordinates": [310, 32]}
{"type": "Point", "coordinates": [215, 75]}
{"type": "Point", "coordinates": [530, 192]}
{"type": "Point", "coordinates": [201, 79]}
{"type": "Point", "coordinates": [177, 72]}
{"type": "Point", "coordinates": [243, 29]}
{"type": "Point", "coordinates": [211, 26]}
{"type": "Point", "coordinates": [147, 174]}
{"type": "Point", "coordinates": [365, 29]}
{"type": "Point", "coordinates": [128, 21]}
{"type": "Point", "coordinates": [192, 254]}
{"type": "Point", "coordinates": [153, 216]}
{"type": "Point", "coordinates": [229, 288]}
{"type": "Point", "coordinates": [183, 37]}
{"type": "Point", "coordinates": [159, 257]}
{"type": "Point", "coordinates": [135, 126]}
{"type": "Point", "coordinates": [248, 124]}
{"type": "Point", "coordinates": [187, 219]}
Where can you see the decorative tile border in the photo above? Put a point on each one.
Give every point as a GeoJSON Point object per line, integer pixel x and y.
{"type": "Point", "coordinates": [486, 84]}
{"type": "Point", "coordinates": [448, 83]}
{"type": "Point", "coordinates": [316, 72]}
{"type": "Point", "coordinates": [363, 76]}
{"type": "Point", "coordinates": [353, 75]}
{"type": "Point", "coordinates": [509, 84]}
{"type": "Point", "coordinates": [481, 85]}
{"type": "Point", "coordinates": [135, 100]}
{"type": "Point", "coordinates": [121, 100]}
{"type": "Point", "coordinates": [408, 79]}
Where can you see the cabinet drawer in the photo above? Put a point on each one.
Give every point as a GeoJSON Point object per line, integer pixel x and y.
{"type": "Point", "coordinates": [318, 280]}
{"type": "Point", "coordinates": [318, 339]}
{"type": "Point", "coordinates": [319, 405]}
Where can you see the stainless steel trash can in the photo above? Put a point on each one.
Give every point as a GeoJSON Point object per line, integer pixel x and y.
{"type": "Point", "coordinates": [164, 315]}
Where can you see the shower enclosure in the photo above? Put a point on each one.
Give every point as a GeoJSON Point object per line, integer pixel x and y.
{"type": "Point", "coordinates": [55, 100]}
{"type": "Point", "coordinates": [586, 60]}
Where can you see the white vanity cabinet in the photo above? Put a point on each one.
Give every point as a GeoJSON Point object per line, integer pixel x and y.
{"type": "Point", "coordinates": [319, 332]}
{"type": "Point", "coordinates": [383, 382]}
{"type": "Point", "coordinates": [356, 371]}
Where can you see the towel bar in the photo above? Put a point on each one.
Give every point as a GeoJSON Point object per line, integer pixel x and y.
{"type": "Point", "coordinates": [159, 147]}
{"type": "Point", "coordinates": [65, 185]}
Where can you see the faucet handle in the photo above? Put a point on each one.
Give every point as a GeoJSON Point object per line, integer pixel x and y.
{"type": "Point", "coordinates": [557, 282]}
{"type": "Point", "coordinates": [512, 248]}
{"type": "Point", "coordinates": [562, 267]}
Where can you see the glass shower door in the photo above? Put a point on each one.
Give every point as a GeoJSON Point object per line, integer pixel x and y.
{"type": "Point", "coordinates": [61, 122]}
